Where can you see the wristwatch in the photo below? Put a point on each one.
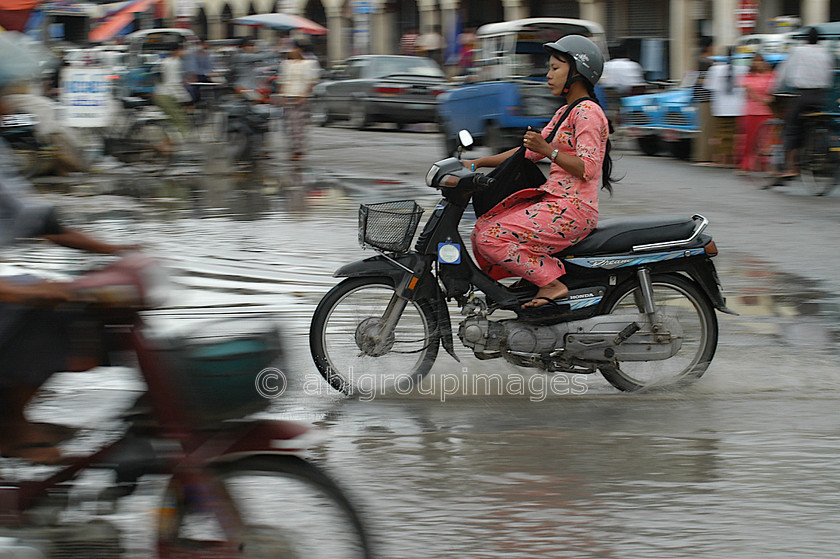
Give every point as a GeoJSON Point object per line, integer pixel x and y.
{"type": "Point", "coordinates": [554, 155]}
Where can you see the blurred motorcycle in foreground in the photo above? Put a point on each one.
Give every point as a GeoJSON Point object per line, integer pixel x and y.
{"type": "Point", "coordinates": [236, 487]}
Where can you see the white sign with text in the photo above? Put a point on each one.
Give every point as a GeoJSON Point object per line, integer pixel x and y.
{"type": "Point", "coordinates": [86, 97]}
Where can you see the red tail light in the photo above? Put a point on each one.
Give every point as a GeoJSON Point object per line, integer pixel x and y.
{"type": "Point", "coordinates": [388, 90]}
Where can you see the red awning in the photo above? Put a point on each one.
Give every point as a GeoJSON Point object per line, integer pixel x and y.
{"type": "Point", "coordinates": [18, 4]}
{"type": "Point", "coordinates": [15, 13]}
{"type": "Point", "coordinates": [118, 21]}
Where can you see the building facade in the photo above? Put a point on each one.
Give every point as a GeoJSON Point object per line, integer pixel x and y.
{"type": "Point", "coordinates": [376, 26]}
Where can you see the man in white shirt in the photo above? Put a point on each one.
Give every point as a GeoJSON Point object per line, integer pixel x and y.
{"type": "Point", "coordinates": [622, 74]}
{"type": "Point", "coordinates": [809, 72]}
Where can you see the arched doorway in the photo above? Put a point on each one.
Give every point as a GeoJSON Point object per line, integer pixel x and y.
{"type": "Point", "coordinates": [251, 11]}
{"type": "Point", "coordinates": [318, 43]}
{"type": "Point", "coordinates": [555, 8]}
{"type": "Point", "coordinates": [200, 24]}
{"type": "Point", "coordinates": [228, 27]}
{"type": "Point", "coordinates": [478, 12]}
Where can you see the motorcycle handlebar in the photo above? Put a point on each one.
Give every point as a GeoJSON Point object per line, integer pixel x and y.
{"type": "Point", "coordinates": [483, 181]}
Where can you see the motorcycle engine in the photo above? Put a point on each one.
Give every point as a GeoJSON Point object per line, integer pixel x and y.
{"type": "Point", "coordinates": [625, 336]}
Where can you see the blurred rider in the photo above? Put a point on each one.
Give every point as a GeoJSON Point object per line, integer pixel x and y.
{"type": "Point", "coordinates": [36, 339]}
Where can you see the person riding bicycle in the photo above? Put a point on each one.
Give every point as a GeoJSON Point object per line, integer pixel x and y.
{"type": "Point", "coordinates": [809, 72]}
{"type": "Point", "coordinates": [518, 236]}
{"type": "Point", "coordinates": [36, 340]}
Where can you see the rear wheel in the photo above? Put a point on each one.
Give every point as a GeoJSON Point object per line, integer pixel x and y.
{"type": "Point", "coordinates": [677, 297]}
{"type": "Point", "coordinates": [348, 348]}
{"type": "Point", "coordinates": [320, 113]}
{"type": "Point", "coordinates": [358, 116]}
{"type": "Point", "coordinates": [151, 142]}
{"type": "Point", "coordinates": [265, 507]}
{"type": "Point", "coordinates": [649, 145]}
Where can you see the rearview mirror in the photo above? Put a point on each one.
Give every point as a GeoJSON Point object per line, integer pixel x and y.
{"type": "Point", "coordinates": [465, 138]}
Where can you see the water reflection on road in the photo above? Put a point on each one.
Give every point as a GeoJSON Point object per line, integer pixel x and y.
{"type": "Point", "coordinates": [744, 463]}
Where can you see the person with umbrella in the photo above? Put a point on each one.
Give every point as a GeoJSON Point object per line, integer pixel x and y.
{"type": "Point", "coordinates": [298, 75]}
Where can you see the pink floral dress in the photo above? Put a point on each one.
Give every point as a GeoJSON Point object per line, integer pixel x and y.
{"type": "Point", "coordinates": [518, 236]}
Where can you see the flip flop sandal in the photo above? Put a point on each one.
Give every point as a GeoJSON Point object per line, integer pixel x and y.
{"type": "Point", "coordinates": [550, 313]}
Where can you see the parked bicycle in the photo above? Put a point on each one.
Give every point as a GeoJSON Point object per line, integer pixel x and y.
{"type": "Point", "coordinates": [143, 134]}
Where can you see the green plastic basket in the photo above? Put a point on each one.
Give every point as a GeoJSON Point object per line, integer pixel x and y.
{"type": "Point", "coordinates": [216, 379]}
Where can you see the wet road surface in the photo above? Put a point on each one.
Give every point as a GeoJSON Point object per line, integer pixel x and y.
{"type": "Point", "coordinates": [741, 464]}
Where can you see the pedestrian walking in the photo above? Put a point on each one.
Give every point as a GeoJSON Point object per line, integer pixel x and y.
{"type": "Point", "coordinates": [702, 152]}
{"type": "Point", "coordinates": [728, 97]}
{"type": "Point", "coordinates": [197, 69]}
{"type": "Point", "coordinates": [171, 92]}
{"type": "Point", "coordinates": [408, 42]}
{"type": "Point", "coordinates": [298, 75]}
{"type": "Point", "coordinates": [758, 86]}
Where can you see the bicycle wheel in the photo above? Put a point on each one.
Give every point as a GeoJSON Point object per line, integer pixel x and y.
{"type": "Point", "coordinates": [151, 141]}
{"type": "Point", "coordinates": [344, 339]}
{"type": "Point", "coordinates": [275, 506]}
{"type": "Point", "coordinates": [817, 161]}
{"type": "Point", "coordinates": [679, 298]}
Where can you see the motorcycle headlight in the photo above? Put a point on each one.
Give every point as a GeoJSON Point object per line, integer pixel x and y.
{"type": "Point", "coordinates": [430, 176]}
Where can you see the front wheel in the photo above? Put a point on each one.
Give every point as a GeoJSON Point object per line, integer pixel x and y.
{"type": "Point", "coordinates": [259, 507]}
{"type": "Point", "coordinates": [350, 349]}
{"type": "Point", "coordinates": [680, 298]}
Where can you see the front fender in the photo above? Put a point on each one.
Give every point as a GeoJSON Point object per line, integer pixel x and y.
{"type": "Point", "coordinates": [380, 266]}
{"type": "Point", "coordinates": [427, 287]}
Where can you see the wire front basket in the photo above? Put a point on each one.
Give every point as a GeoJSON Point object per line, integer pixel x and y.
{"type": "Point", "coordinates": [389, 226]}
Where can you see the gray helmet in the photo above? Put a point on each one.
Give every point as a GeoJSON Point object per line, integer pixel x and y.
{"type": "Point", "coordinates": [586, 55]}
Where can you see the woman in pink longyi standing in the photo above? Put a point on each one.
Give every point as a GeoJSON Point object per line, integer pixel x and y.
{"type": "Point", "coordinates": [758, 84]}
{"type": "Point", "coordinates": [518, 236]}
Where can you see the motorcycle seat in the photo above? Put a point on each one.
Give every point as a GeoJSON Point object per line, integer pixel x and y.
{"type": "Point", "coordinates": [622, 234]}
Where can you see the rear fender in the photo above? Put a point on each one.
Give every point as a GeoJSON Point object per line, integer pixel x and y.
{"type": "Point", "coordinates": [704, 273]}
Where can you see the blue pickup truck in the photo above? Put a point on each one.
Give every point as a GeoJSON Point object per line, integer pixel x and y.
{"type": "Point", "coordinates": [668, 120]}
{"type": "Point", "coordinates": [508, 92]}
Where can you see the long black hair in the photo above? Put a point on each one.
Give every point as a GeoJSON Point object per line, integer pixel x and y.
{"type": "Point", "coordinates": [606, 167]}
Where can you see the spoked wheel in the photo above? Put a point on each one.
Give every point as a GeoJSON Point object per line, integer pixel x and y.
{"type": "Point", "coordinates": [152, 142]}
{"type": "Point", "coordinates": [271, 507]}
{"type": "Point", "coordinates": [238, 146]}
{"type": "Point", "coordinates": [818, 162]}
{"type": "Point", "coordinates": [679, 298]}
{"type": "Point", "coordinates": [348, 345]}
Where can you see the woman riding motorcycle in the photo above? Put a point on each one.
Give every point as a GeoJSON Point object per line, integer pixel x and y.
{"type": "Point", "coordinates": [518, 235]}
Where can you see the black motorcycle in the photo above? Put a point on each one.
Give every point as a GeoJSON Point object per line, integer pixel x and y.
{"type": "Point", "coordinates": [640, 309]}
{"type": "Point", "coordinates": [245, 124]}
